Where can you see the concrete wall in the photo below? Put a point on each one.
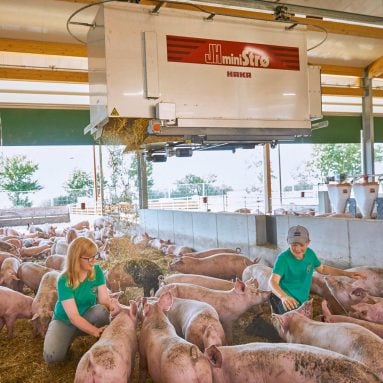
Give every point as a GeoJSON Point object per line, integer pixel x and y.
{"type": "Point", "coordinates": [341, 242]}
{"type": "Point", "coordinates": [201, 230]}
{"type": "Point", "coordinates": [36, 215]}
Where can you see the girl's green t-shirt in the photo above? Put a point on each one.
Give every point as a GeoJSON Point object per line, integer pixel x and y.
{"type": "Point", "coordinates": [296, 274]}
{"type": "Point", "coordinates": [85, 295]}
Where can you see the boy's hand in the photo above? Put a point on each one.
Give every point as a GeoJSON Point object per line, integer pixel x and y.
{"type": "Point", "coordinates": [289, 303]}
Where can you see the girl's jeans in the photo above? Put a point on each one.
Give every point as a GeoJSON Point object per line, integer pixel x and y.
{"type": "Point", "coordinates": [60, 335]}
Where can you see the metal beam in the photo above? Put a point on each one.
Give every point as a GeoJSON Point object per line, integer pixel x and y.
{"type": "Point", "coordinates": [250, 10]}
{"type": "Point", "coordinates": [296, 8]}
{"type": "Point", "coordinates": [43, 47]}
{"type": "Point", "coordinates": [367, 137]}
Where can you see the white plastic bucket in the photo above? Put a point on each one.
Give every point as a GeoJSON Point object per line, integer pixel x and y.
{"type": "Point", "coordinates": [365, 196]}
{"type": "Point", "coordinates": [339, 194]}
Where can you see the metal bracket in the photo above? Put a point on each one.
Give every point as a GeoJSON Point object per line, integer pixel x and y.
{"type": "Point", "coordinates": [379, 208]}
{"type": "Point", "coordinates": [157, 8]}
{"type": "Point", "coordinates": [351, 202]}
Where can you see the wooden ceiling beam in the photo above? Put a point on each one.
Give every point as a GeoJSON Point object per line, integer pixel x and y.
{"type": "Point", "coordinates": [43, 47]}
{"type": "Point", "coordinates": [43, 75]}
{"type": "Point", "coordinates": [343, 28]}
{"type": "Point", "coordinates": [313, 24]}
{"type": "Point", "coordinates": [376, 68]}
{"type": "Point", "coordinates": [348, 91]}
{"type": "Point", "coordinates": [81, 1]}
{"type": "Point", "coordinates": [340, 70]}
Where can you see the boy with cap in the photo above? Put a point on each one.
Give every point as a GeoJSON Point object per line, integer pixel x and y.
{"type": "Point", "coordinates": [291, 279]}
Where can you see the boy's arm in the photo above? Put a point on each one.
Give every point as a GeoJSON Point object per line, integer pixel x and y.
{"type": "Point", "coordinates": [328, 270]}
{"type": "Point", "coordinates": [289, 303]}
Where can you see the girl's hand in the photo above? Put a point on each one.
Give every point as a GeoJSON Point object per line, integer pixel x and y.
{"type": "Point", "coordinates": [356, 275]}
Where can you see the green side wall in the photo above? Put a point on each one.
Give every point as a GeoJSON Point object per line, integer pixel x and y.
{"type": "Point", "coordinates": [342, 129]}
{"type": "Point", "coordinates": [39, 127]}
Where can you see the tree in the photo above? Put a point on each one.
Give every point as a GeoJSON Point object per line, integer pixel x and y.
{"type": "Point", "coordinates": [120, 179]}
{"type": "Point", "coordinates": [79, 184]}
{"type": "Point", "coordinates": [256, 167]}
{"type": "Point", "coordinates": [329, 159]}
{"type": "Point", "coordinates": [133, 173]}
{"type": "Point", "coordinates": [16, 174]}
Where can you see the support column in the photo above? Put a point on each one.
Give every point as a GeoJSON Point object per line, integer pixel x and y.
{"type": "Point", "coordinates": [101, 180]}
{"type": "Point", "coordinates": [367, 141]}
{"type": "Point", "coordinates": [95, 191]}
{"type": "Point", "coordinates": [267, 178]}
{"type": "Point", "coordinates": [142, 181]}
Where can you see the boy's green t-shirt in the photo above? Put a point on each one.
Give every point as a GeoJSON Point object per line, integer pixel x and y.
{"type": "Point", "coordinates": [85, 295]}
{"type": "Point", "coordinates": [296, 274]}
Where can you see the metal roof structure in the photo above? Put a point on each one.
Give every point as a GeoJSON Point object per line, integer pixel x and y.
{"type": "Point", "coordinates": [345, 39]}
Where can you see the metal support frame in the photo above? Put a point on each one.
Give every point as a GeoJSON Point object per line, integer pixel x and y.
{"type": "Point", "coordinates": [367, 137]}
{"type": "Point", "coordinates": [267, 179]}
{"type": "Point", "coordinates": [142, 181]}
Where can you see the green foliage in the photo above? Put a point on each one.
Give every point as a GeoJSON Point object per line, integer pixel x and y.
{"type": "Point", "coordinates": [195, 185]}
{"type": "Point", "coordinates": [16, 177]}
{"type": "Point", "coordinates": [133, 173]}
{"type": "Point", "coordinates": [79, 184]}
{"type": "Point", "coordinates": [328, 159]}
{"type": "Point", "coordinates": [120, 182]}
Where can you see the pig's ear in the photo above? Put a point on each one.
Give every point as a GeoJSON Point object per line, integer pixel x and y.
{"type": "Point", "coordinates": [253, 282]}
{"type": "Point", "coordinates": [214, 356]}
{"type": "Point", "coordinates": [133, 308]}
{"type": "Point", "coordinates": [166, 301]}
{"type": "Point", "coordinates": [279, 322]}
{"type": "Point", "coordinates": [239, 285]}
{"type": "Point", "coordinates": [176, 260]}
{"type": "Point", "coordinates": [35, 316]}
{"type": "Point", "coordinates": [306, 309]}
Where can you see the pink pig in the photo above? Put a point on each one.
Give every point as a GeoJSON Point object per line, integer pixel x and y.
{"type": "Point", "coordinates": [209, 252]}
{"type": "Point", "coordinates": [348, 339]}
{"type": "Point", "coordinates": [284, 363]}
{"type": "Point", "coordinates": [8, 274]}
{"type": "Point", "coordinates": [44, 302]}
{"type": "Point", "coordinates": [195, 279]}
{"type": "Point", "coordinates": [225, 266]}
{"type": "Point", "coordinates": [167, 357]}
{"type": "Point", "coordinates": [13, 305]}
{"type": "Point", "coordinates": [197, 322]}
{"type": "Point", "coordinates": [31, 273]}
{"type": "Point", "coordinates": [376, 328]}
{"type": "Point", "coordinates": [111, 358]}
{"type": "Point", "coordinates": [229, 304]}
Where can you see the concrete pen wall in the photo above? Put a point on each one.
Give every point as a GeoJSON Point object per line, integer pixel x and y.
{"type": "Point", "coordinates": [341, 242]}
{"type": "Point", "coordinates": [201, 230]}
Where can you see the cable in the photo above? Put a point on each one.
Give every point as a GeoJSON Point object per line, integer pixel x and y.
{"type": "Point", "coordinates": [211, 15]}
{"type": "Point", "coordinates": [84, 24]}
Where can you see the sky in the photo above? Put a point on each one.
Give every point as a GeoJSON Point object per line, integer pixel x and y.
{"type": "Point", "coordinates": [56, 163]}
